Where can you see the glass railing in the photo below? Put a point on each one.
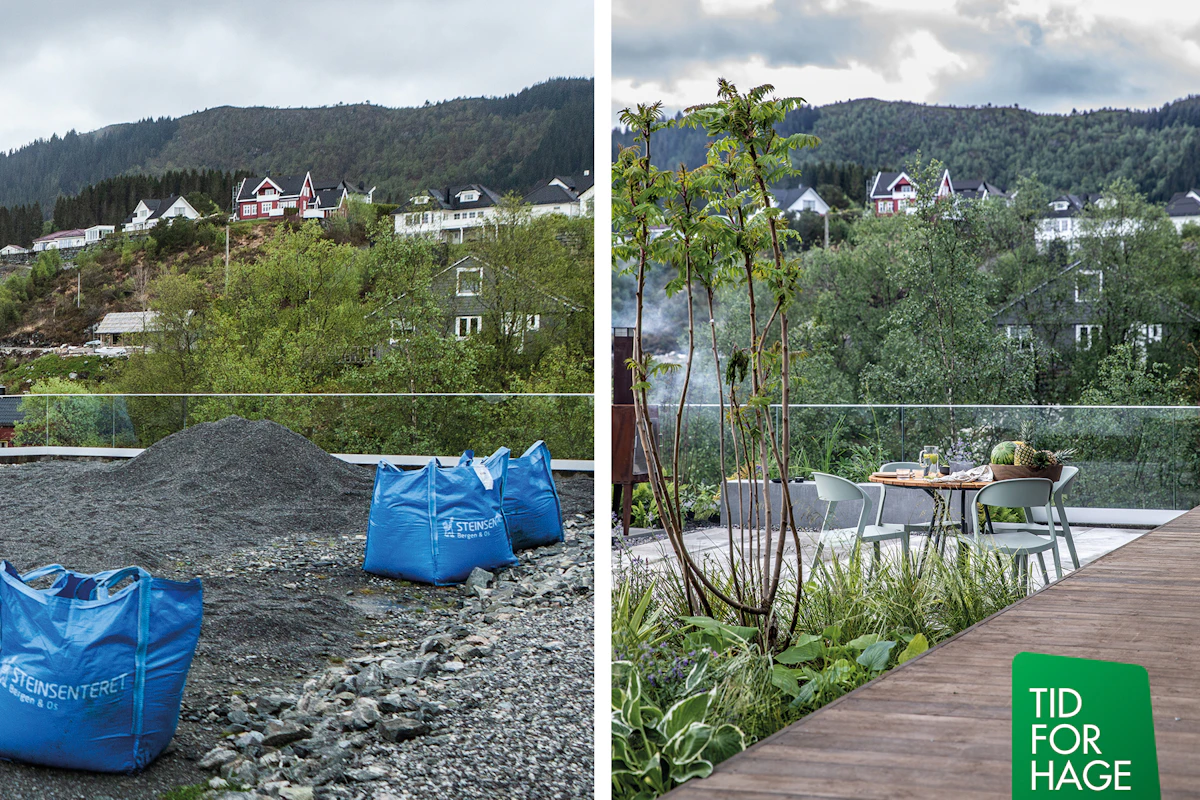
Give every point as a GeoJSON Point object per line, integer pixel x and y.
{"type": "Point", "coordinates": [393, 424]}
{"type": "Point", "coordinates": [1129, 456]}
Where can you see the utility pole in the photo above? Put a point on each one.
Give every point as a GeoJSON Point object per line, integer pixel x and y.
{"type": "Point", "coordinates": [827, 228]}
{"type": "Point", "coordinates": [79, 288]}
{"type": "Point", "coordinates": [227, 258]}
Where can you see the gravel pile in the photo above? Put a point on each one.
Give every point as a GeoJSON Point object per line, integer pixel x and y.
{"type": "Point", "coordinates": [276, 528]}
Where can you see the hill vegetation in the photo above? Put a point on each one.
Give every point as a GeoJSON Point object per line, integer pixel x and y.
{"type": "Point", "coordinates": [1158, 150]}
{"type": "Point", "coordinates": [508, 143]}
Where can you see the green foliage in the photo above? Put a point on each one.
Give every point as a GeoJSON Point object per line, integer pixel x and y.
{"type": "Point", "coordinates": [507, 143]}
{"type": "Point", "coordinates": [654, 750]}
{"type": "Point", "coordinates": [71, 421]}
{"type": "Point", "coordinates": [1125, 377]}
{"type": "Point", "coordinates": [1158, 149]}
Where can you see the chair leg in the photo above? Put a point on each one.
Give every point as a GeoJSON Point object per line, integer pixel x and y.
{"type": "Point", "coordinates": [878, 554]}
{"type": "Point", "coordinates": [1045, 574]}
{"type": "Point", "coordinates": [817, 554]}
{"type": "Point", "coordinates": [1066, 532]}
{"type": "Point", "coordinates": [1058, 571]}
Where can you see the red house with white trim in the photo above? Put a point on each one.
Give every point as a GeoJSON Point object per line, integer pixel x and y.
{"type": "Point", "coordinates": [893, 192]}
{"type": "Point", "coordinates": [274, 196]}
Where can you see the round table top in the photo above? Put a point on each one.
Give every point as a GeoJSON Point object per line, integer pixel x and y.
{"type": "Point", "coordinates": [912, 479]}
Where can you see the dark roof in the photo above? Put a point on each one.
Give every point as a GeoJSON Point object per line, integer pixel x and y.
{"type": "Point", "coordinates": [879, 189]}
{"type": "Point", "coordinates": [152, 206]}
{"type": "Point", "coordinates": [288, 185]}
{"type": "Point", "coordinates": [1075, 204]}
{"type": "Point", "coordinates": [550, 194]}
{"type": "Point", "coordinates": [784, 198]}
{"type": "Point", "coordinates": [447, 198]}
{"type": "Point", "coordinates": [329, 198]}
{"type": "Point", "coordinates": [973, 189]}
{"type": "Point", "coordinates": [1184, 204]}
{"type": "Point", "coordinates": [161, 207]}
{"type": "Point", "coordinates": [10, 410]}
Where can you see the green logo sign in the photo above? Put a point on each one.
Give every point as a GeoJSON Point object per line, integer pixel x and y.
{"type": "Point", "coordinates": [1081, 727]}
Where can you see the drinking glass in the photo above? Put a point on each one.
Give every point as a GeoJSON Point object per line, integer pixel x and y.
{"type": "Point", "coordinates": [929, 460]}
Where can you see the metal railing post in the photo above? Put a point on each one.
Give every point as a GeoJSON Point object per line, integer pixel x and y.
{"type": "Point", "coordinates": [47, 420]}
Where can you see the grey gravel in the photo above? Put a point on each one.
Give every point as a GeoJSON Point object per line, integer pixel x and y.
{"type": "Point", "coordinates": [276, 528]}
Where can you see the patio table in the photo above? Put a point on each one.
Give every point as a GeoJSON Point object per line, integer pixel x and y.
{"type": "Point", "coordinates": [912, 479]}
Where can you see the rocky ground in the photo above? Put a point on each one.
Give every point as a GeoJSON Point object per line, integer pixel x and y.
{"type": "Point", "coordinates": [313, 678]}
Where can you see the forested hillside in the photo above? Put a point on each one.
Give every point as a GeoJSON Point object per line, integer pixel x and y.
{"type": "Point", "coordinates": [508, 143]}
{"type": "Point", "coordinates": [1159, 149]}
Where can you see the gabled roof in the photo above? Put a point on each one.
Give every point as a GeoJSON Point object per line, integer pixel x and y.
{"type": "Point", "coordinates": [476, 262]}
{"type": "Point", "coordinates": [550, 194]}
{"type": "Point", "coordinates": [881, 188]}
{"type": "Point", "coordinates": [165, 205]}
{"type": "Point", "coordinates": [1184, 204]}
{"type": "Point", "coordinates": [786, 198]}
{"type": "Point", "coordinates": [1075, 204]}
{"type": "Point", "coordinates": [447, 199]}
{"type": "Point", "coordinates": [127, 322]}
{"type": "Point", "coordinates": [329, 198]}
{"type": "Point", "coordinates": [10, 410]}
{"type": "Point", "coordinates": [288, 185]}
{"type": "Point", "coordinates": [71, 234]}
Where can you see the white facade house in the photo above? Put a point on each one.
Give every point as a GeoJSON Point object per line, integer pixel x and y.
{"type": "Point", "coordinates": [572, 196]}
{"type": "Point", "coordinates": [802, 198]}
{"type": "Point", "coordinates": [1062, 222]}
{"type": "Point", "coordinates": [76, 237]}
{"type": "Point", "coordinates": [12, 250]}
{"type": "Point", "coordinates": [1183, 208]}
{"type": "Point", "coordinates": [150, 212]}
{"type": "Point", "coordinates": [449, 214]}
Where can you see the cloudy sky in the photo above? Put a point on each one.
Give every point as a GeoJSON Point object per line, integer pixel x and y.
{"type": "Point", "coordinates": [81, 64]}
{"type": "Point", "coordinates": [1043, 55]}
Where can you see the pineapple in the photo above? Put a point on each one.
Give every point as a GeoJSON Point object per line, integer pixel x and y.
{"type": "Point", "coordinates": [1024, 455]}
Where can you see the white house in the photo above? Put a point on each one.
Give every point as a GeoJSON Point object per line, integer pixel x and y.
{"type": "Point", "coordinates": [149, 212]}
{"type": "Point", "coordinates": [12, 250]}
{"type": "Point", "coordinates": [570, 196]}
{"type": "Point", "coordinates": [1183, 208]}
{"type": "Point", "coordinates": [801, 198]}
{"type": "Point", "coordinates": [76, 237]}
{"type": "Point", "coordinates": [449, 214]}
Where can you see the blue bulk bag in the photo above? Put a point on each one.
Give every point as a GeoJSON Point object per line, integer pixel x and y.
{"type": "Point", "coordinates": [90, 678]}
{"type": "Point", "coordinates": [436, 524]}
{"type": "Point", "coordinates": [531, 506]}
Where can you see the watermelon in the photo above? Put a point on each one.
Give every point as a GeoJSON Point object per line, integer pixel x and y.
{"type": "Point", "coordinates": [1004, 453]}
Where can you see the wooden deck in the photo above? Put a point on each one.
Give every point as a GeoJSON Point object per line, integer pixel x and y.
{"type": "Point", "coordinates": [938, 726]}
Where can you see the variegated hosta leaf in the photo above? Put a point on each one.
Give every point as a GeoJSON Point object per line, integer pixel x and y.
{"type": "Point", "coordinates": [684, 713]}
{"type": "Point", "coordinates": [700, 768]}
{"type": "Point", "coordinates": [687, 745]}
{"type": "Point", "coordinates": [696, 674]}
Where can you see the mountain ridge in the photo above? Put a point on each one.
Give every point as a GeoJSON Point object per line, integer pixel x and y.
{"type": "Point", "coordinates": [509, 142]}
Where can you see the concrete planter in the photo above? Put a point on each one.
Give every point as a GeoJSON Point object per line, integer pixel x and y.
{"type": "Point", "coordinates": [900, 506]}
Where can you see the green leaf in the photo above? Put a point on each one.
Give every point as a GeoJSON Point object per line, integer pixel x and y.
{"type": "Point", "coordinates": [727, 740]}
{"type": "Point", "coordinates": [699, 768]}
{"type": "Point", "coordinates": [806, 648]}
{"type": "Point", "coordinates": [918, 645]}
{"type": "Point", "coordinates": [833, 633]}
{"type": "Point", "coordinates": [696, 675]}
{"type": "Point", "coordinates": [687, 745]}
{"type": "Point", "coordinates": [784, 680]}
{"type": "Point", "coordinates": [875, 657]}
{"type": "Point", "coordinates": [864, 641]}
{"type": "Point", "coordinates": [684, 713]}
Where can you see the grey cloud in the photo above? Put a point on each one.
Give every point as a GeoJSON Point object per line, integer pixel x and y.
{"type": "Point", "coordinates": [1012, 58]}
{"type": "Point", "coordinates": [115, 63]}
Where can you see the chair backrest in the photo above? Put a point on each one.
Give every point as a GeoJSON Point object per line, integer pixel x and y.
{"type": "Point", "coordinates": [1065, 480]}
{"type": "Point", "coordinates": [835, 489]}
{"type": "Point", "coordinates": [1017, 493]}
{"type": "Point", "coordinates": [896, 466]}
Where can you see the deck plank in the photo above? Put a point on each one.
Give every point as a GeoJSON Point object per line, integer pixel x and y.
{"type": "Point", "coordinates": [940, 724]}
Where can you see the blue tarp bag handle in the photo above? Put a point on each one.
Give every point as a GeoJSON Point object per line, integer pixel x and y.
{"type": "Point", "coordinates": [144, 581]}
{"type": "Point", "coordinates": [41, 572]}
{"type": "Point", "coordinates": [466, 458]}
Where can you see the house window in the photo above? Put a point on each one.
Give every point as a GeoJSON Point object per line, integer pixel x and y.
{"type": "Point", "coordinates": [456, 216]}
{"type": "Point", "coordinates": [266, 208]}
{"type": "Point", "coordinates": [1089, 283]}
{"type": "Point", "coordinates": [810, 205]}
{"type": "Point", "coordinates": [402, 326]}
{"type": "Point", "coordinates": [248, 210]}
{"type": "Point", "coordinates": [467, 326]}
{"type": "Point", "coordinates": [1086, 335]}
{"type": "Point", "coordinates": [1152, 333]}
{"type": "Point", "coordinates": [469, 196]}
{"type": "Point", "coordinates": [469, 281]}
{"type": "Point", "coordinates": [1018, 332]}
{"type": "Point", "coordinates": [884, 206]}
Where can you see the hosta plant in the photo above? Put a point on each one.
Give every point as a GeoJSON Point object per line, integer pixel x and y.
{"type": "Point", "coordinates": [655, 750]}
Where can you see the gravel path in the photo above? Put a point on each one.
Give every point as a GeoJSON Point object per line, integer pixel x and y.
{"type": "Point", "coordinates": [276, 528]}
